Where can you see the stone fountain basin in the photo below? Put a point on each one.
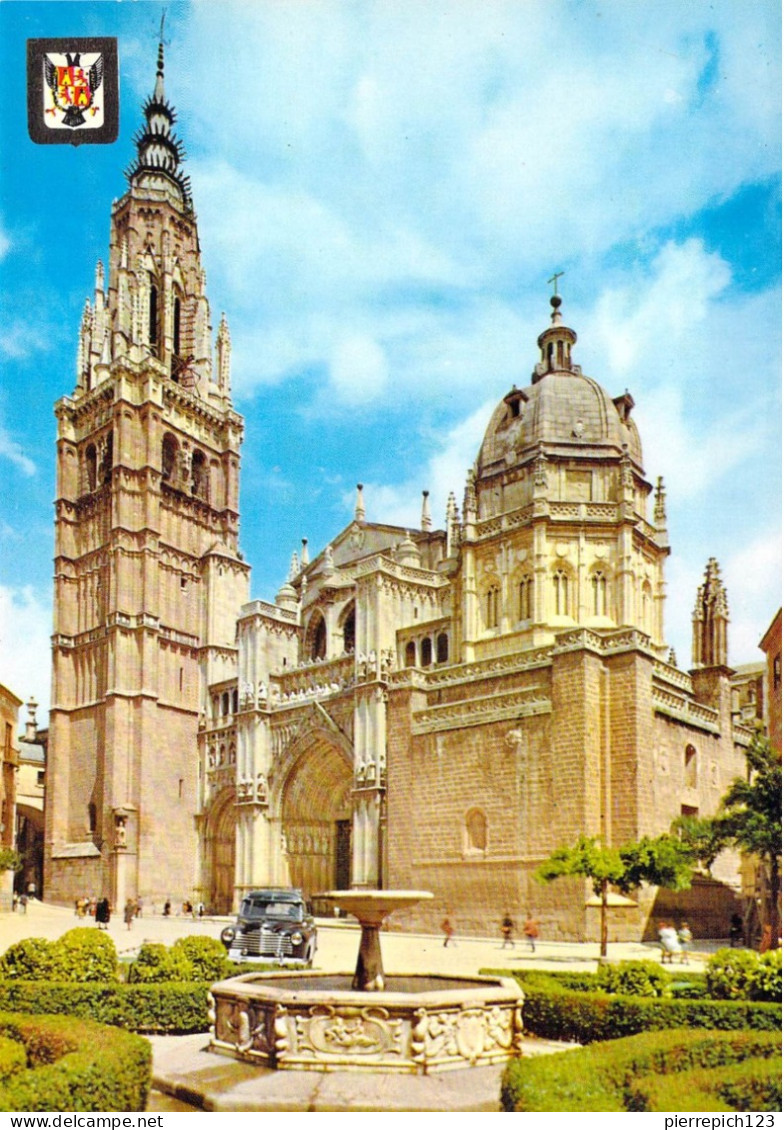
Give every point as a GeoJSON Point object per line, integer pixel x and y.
{"type": "Point", "coordinates": [419, 1024]}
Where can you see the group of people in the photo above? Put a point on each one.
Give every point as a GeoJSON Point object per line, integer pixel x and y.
{"type": "Point", "coordinates": [675, 942]}
{"type": "Point", "coordinates": [530, 932]}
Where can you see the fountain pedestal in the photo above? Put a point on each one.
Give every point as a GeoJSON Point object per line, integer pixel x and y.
{"type": "Point", "coordinates": [371, 908]}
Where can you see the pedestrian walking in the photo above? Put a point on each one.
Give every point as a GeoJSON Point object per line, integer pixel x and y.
{"type": "Point", "coordinates": [685, 937]}
{"type": "Point", "coordinates": [507, 932]}
{"type": "Point", "coordinates": [129, 913]}
{"type": "Point", "coordinates": [103, 914]}
{"type": "Point", "coordinates": [448, 931]}
{"type": "Point", "coordinates": [531, 931]}
{"type": "Point", "coordinates": [23, 902]}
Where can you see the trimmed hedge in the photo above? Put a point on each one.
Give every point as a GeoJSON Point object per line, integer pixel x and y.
{"type": "Point", "coordinates": [754, 1084]}
{"type": "Point", "coordinates": [156, 963]}
{"type": "Point", "coordinates": [173, 1008]}
{"type": "Point", "coordinates": [81, 954]}
{"type": "Point", "coordinates": [13, 1058]}
{"type": "Point", "coordinates": [559, 1014]}
{"type": "Point", "coordinates": [609, 1076]}
{"type": "Point", "coordinates": [735, 974]}
{"type": "Point", "coordinates": [74, 1066]}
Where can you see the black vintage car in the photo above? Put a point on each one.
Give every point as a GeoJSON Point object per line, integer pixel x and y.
{"type": "Point", "coordinates": [272, 925]}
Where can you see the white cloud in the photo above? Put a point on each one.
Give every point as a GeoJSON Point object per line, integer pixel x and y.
{"type": "Point", "coordinates": [358, 370]}
{"type": "Point", "coordinates": [11, 450]}
{"type": "Point", "coordinates": [445, 472]}
{"type": "Point", "coordinates": [25, 631]}
{"type": "Point", "coordinates": [19, 339]}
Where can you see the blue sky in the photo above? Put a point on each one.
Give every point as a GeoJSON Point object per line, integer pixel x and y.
{"type": "Point", "coordinates": [383, 190]}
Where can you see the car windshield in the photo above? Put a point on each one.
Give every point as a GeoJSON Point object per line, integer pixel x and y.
{"type": "Point", "coordinates": [263, 908]}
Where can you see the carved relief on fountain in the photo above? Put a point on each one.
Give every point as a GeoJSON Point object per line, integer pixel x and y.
{"type": "Point", "coordinates": [269, 1020]}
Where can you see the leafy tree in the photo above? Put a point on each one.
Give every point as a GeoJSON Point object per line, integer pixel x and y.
{"type": "Point", "coordinates": [665, 862]}
{"type": "Point", "coordinates": [748, 820]}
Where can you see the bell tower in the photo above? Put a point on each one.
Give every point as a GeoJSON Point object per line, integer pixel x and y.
{"type": "Point", "coordinates": [149, 578]}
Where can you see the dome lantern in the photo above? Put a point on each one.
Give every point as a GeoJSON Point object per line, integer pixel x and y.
{"type": "Point", "coordinates": [555, 345]}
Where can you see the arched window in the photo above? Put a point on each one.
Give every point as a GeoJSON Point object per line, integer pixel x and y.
{"type": "Point", "coordinates": [690, 767]}
{"type": "Point", "coordinates": [107, 460]}
{"type": "Point", "coordinates": [426, 651]}
{"type": "Point", "coordinates": [92, 817]}
{"type": "Point", "coordinates": [599, 589]}
{"type": "Point", "coordinates": [152, 325]}
{"type": "Point", "coordinates": [560, 593]}
{"type": "Point", "coordinates": [525, 590]}
{"type": "Point", "coordinates": [91, 466]}
{"type": "Point", "coordinates": [646, 605]}
{"type": "Point", "coordinates": [442, 648]}
{"type": "Point", "coordinates": [168, 458]}
{"type": "Point", "coordinates": [410, 659]}
{"type": "Point", "coordinates": [199, 476]}
{"type": "Point", "coordinates": [475, 835]}
{"type": "Point", "coordinates": [350, 630]}
{"type": "Point", "coordinates": [317, 634]}
{"type": "Point", "coordinates": [225, 703]}
{"type": "Point", "coordinates": [492, 606]}
{"type": "Point", "coordinates": [235, 701]}
{"type": "Point", "coordinates": [176, 334]}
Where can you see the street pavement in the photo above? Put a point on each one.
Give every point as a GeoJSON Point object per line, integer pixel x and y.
{"type": "Point", "coordinates": [339, 942]}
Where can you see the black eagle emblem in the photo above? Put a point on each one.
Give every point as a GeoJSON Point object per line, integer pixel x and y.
{"type": "Point", "coordinates": [73, 88]}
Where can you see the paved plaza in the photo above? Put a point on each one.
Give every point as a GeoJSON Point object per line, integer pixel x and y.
{"type": "Point", "coordinates": [186, 1077]}
{"type": "Point", "coordinates": [339, 941]}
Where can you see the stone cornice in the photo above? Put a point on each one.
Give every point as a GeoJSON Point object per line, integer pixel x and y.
{"type": "Point", "coordinates": [509, 706]}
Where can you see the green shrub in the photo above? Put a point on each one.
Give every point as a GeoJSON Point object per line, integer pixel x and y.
{"type": "Point", "coordinates": [560, 1014]}
{"type": "Point", "coordinates": [75, 1066]}
{"type": "Point", "coordinates": [13, 1058]}
{"type": "Point", "coordinates": [84, 954]}
{"type": "Point", "coordinates": [754, 1084]}
{"type": "Point", "coordinates": [156, 963]}
{"type": "Point", "coordinates": [32, 959]}
{"type": "Point", "coordinates": [766, 980]}
{"type": "Point", "coordinates": [207, 957]}
{"type": "Point", "coordinates": [688, 988]}
{"type": "Point", "coordinates": [633, 978]}
{"type": "Point", "coordinates": [730, 974]}
{"type": "Point", "coordinates": [170, 1008]}
{"type": "Point", "coordinates": [608, 1076]}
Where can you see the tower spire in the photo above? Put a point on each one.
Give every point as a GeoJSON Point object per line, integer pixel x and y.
{"type": "Point", "coordinates": [159, 152]}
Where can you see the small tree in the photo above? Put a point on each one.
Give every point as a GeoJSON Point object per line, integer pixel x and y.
{"type": "Point", "coordinates": [665, 862]}
{"type": "Point", "coordinates": [748, 820]}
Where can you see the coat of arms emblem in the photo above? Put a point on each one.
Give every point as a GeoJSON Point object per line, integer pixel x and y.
{"type": "Point", "coordinates": [73, 86]}
{"type": "Point", "coordinates": [72, 90]}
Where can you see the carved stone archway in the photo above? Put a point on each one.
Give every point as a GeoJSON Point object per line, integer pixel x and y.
{"type": "Point", "coordinates": [219, 852]}
{"type": "Point", "coordinates": [315, 807]}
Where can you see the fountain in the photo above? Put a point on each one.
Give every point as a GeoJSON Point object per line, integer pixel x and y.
{"type": "Point", "coordinates": [372, 1021]}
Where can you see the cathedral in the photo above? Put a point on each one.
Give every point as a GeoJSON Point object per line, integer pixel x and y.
{"type": "Point", "coordinates": [434, 709]}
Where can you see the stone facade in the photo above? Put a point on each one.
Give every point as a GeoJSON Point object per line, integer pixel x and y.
{"type": "Point", "coordinates": [451, 705]}
{"type": "Point", "coordinates": [431, 709]}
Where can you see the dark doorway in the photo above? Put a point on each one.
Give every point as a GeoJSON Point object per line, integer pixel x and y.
{"type": "Point", "coordinates": [342, 855]}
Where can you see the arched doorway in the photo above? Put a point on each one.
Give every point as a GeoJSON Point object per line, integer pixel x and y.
{"type": "Point", "coordinates": [316, 816]}
{"type": "Point", "coordinates": [219, 854]}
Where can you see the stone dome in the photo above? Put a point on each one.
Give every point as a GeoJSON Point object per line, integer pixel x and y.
{"type": "Point", "coordinates": [562, 411]}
